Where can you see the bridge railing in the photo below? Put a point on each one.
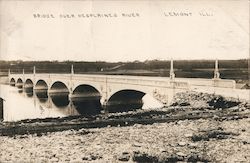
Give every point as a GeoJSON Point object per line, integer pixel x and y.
{"type": "Point", "coordinates": [224, 83]}
{"type": "Point", "coordinates": [118, 79]}
{"type": "Point", "coordinates": [140, 80]}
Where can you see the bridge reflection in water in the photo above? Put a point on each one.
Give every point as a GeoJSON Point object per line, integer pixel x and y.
{"type": "Point", "coordinates": [23, 104]}
{"type": "Point", "coordinates": [84, 101]}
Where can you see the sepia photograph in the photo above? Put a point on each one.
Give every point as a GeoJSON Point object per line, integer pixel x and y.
{"type": "Point", "coordinates": [109, 81]}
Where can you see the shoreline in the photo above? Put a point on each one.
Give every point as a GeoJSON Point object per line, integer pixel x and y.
{"type": "Point", "coordinates": [198, 127]}
{"type": "Point", "coordinates": [184, 140]}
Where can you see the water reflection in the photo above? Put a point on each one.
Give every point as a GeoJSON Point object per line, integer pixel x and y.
{"type": "Point", "coordinates": [29, 92]}
{"type": "Point", "coordinates": [42, 95]}
{"type": "Point", "coordinates": [124, 107]}
{"type": "Point", "coordinates": [41, 105]}
{"type": "Point", "coordinates": [38, 105]}
{"type": "Point", "coordinates": [60, 100]}
{"type": "Point", "coordinates": [87, 106]}
{"type": "Point", "coordinates": [20, 90]}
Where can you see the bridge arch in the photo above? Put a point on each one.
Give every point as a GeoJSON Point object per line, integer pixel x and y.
{"type": "Point", "coordinates": [41, 85]}
{"type": "Point", "coordinates": [41, 91]}
{"type": "Point", "coordinates": [86, 90]}
{"type": "Point", "coordinates": [28, 83]}
{"type": "Point", "coordinates": [12, 82]}
{"type": "Point", "coordinates": [86, 99]}
{"type": "Point", "coordinates": [28, 87]}
{"type": "Point", "coordinates": [59, 87]}
{"type": "Point", "coordinates": [19, 83]}
{"type": "Point", "coordinates": [125, 100]}
{"type": "Point", "coordinates": [59, 93]}
{"type": "Point", "coordinates": [19, 80]}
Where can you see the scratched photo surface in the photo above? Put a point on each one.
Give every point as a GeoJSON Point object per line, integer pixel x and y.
{"type": "Point", "coordinates": [124, 81]}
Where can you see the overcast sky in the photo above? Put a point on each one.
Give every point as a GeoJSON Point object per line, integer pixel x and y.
{"type": "Point", "coordinates": [207, 30]}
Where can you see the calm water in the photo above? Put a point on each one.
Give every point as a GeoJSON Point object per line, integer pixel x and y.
{"type": "Point", "coordinates": [25, 104]}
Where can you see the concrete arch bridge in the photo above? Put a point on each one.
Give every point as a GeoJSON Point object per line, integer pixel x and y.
{"type": "Point", "coordinates": [112, 90]}
{"type": "Point", "coordinates": [109, 89]}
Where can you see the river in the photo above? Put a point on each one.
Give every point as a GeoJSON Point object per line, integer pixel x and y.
{"type": "Point", "coordinates": [23, 104]}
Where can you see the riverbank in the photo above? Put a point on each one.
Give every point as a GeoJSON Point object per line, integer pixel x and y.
{"type": "Point", "coordinates": [188, 140]}
{"type": "Point", "coordinates": [187, 106]}
{"type": "Point", "coordinates": [197, 127]}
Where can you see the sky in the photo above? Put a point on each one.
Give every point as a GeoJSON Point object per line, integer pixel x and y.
{"type": "Point", "coordinates": [192, 29]}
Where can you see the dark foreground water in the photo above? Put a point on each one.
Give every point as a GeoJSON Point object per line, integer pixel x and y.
{"type": "Point", "coordinates": [22, 104]}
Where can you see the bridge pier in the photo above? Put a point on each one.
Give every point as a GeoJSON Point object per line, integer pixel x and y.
{"type": "Point", "coordinates": [104, 102]}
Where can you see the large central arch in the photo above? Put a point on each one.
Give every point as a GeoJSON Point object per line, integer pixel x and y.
{"type": "Point", "coordinates": [86, 100]}
{"type": "Point", "coordinates": [125, 100]}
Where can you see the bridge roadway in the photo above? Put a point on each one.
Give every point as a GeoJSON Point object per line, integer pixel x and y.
{"type": "Point", "coordinates": [114, 89]}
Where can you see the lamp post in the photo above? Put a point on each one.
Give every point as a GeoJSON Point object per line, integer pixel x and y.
{"type": "Point", "coordinates": [172, 75]}
{"type": "Point", "coordinates": [34, 70]}
{"type": "Point", "coordinates": [216, 70]}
